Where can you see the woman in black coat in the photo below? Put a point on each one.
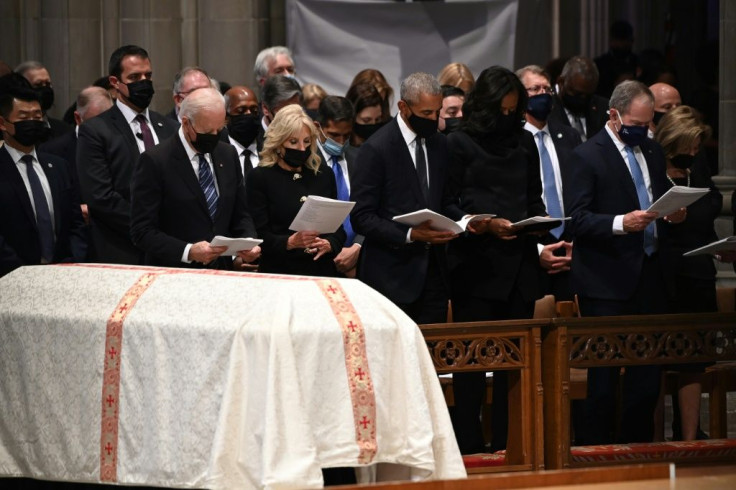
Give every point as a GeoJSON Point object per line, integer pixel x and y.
{"type": "Point", "coordinates": [494, 269]}
{"type": "Point", "coordinates": [290, 169]}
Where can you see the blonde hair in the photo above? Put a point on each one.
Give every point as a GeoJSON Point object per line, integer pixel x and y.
{"type": "Point", "coordinates": [287, 122]}
{"type": "Point", "coordinates": [678, 130]}
{"type": "Point", "coordinates": [312, 92]}
{"type": "Point", "coordinates": [457, 75]}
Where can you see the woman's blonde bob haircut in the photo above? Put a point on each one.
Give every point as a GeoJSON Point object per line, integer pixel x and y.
{"type": "Point", "coordinates": [678, 130]}
{"type": "Point", "coordinates": [457, 75]}
{"type": "Point", "coordinates": [288, 122]}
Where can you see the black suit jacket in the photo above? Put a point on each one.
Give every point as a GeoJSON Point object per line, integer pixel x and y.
{"type": "Point", "coordinates": [598, 187]}
{"type": "Point", "coordinates": [106, 155]}
{"type": "Point", "coordinates": [19, 242]}
{"type": "Point", "coordinates": [596, 115]}
{"type": "Point", "coordinates": [171, 115]}
{"type": "Point", "coordinates": [65, 146]}
{"type": "Point", "coordinates": [58, 128]}
{"type": "Point", "coordinates": [383, 185]}
{"type": "Point", "coordinates": [169, 210]}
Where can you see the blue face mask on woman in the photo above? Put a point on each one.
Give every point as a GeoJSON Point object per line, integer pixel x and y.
{"type": "Point", "coordinates": [631, 135]}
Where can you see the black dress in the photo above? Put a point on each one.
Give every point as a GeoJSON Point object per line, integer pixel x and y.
{"type": "Point", "coordinates": [274, 197]}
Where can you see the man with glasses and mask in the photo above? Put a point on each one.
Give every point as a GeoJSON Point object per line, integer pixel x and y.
{"type": "Point", "coordinates": [555, 142]}
{"type": "Point", "coordinates": [189, 189]}
{"type": "Point", "coordinates": [41, 221]}
{"type": "Point", "coordinates": [400, 169]}
{"type": "Point", "coordinates": [616, 270]}
{"type": "Point", "coordinates": [577, 105]}
{"type": "Point", "coordinates": [187, 81]}
{"type": "Point", "coordinates": [244, 128]}
{"type": "Point", "coordinates": [107, 149]}
{"type": "Point", "coordinates": [334, 123]}
{"type": "Point", "coordinates": [40, 80]}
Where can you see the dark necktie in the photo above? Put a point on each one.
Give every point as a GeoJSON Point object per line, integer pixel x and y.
{"type": "Point", "coordinates": [145, 132]}
{"type": "Point", "coordinates": [43, 215]}
{"type": "Point", "coordinates": [344, 195]}
{"type": "Point", "coordinates": [578, 125]}
{"type": "Point", "coordinates": [207, 182]}
{"type": "Point", "coordinates": [554, 207]}
{"type": "Point", "coordinates": [422, 169]}
{"type": "Point", "coordinates": [641, 192]}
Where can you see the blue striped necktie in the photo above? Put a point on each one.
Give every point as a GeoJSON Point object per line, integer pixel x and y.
{"type": "Point", "coordinates": [207, 182]}
{"type": "Point", "coordinates": [554, 207]}
{"type": "Point", "coordinates": [641, 192]}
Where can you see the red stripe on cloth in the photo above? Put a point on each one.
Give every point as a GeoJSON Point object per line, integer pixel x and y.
{"type": "Point", "coordinates": [362, 395]}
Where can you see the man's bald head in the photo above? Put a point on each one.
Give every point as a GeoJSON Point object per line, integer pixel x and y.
{"type": "Point", "coordinates": [666, 97]}
{"type": "Point", "coordinates": [241, 100]}
{"type": "Point", "coordinates": [91, 102]}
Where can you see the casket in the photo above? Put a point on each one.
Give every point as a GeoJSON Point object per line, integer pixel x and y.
{"type": "Point", "coordinates": [212, 379]}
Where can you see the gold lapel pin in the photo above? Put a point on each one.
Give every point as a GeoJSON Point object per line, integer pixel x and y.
{"type": "Point", "coordinates": [297, 176]}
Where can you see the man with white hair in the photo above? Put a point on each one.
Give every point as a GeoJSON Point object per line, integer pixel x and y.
{"type": "Point", "coordinates": [275, 60]}
{"type": "Point", "coordinates": [190, 188]}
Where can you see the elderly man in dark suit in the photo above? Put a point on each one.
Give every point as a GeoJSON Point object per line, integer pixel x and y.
{"type": "Point", "coordinates": [108, 147]}
{"type": "Point", "coordinates": [616, 270]}
{"type": "Point", "coordinates": [555, 143]}
{"type": "Point", "coordinates": [40, 222]}
{"type": "Point", "coordinates": [577, 105]}
{"type": "Point", "coordinates": [401, 169]}
{"type": "Point", "coordinates": [189, 189]}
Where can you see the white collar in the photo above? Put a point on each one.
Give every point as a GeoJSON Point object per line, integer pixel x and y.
{"type": "Point", "coordinates": [187, 147]}
{"type": "Point", "coordinates": [17, 155]}
{"type": "Point", "coordinates": [129, 113]}
{"type": "Point", "coordinates": [409, 135]}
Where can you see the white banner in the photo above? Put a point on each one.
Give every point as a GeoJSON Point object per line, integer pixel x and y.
{"type": "Point", "coordinates": [333, 40]}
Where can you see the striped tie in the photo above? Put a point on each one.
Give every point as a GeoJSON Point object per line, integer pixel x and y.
{"type": "Point", "coordinates": [207, 182]}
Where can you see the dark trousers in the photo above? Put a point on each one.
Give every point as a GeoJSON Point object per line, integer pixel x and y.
{"type": "Point", "coordinates": [431, 306]}
{"type": "Point", "coordinates": [641, 383]}
{"type": "Point", "coordinates": [469, 388]}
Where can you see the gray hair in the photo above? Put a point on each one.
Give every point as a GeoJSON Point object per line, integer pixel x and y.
{"type": "Point", "coordinates": [278, 89]}
{"type": "Point", "coordinates": [626, 92]}
{"type": "Point", "coordinates": [91, 96]}
{"type": "Point", "coordinates": [264, 58]}
{"type": "Point", "coordinates": [27, 66]}
{"type": "Point", "coordinates": [199, 100]}
{"type": "Point", "coordinates": [179, 77]}
{"type": "Point", "coordinates": [416, 84]}
{"type": "Point", "coordinates": [580, 66]}
{"type": "Point", "coordinates": [533, 69]}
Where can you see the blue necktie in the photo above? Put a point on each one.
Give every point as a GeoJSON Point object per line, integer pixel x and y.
{"type": "Point", "coordinates": [207, 182]}
{"type": "Point", "coordinates": [43, 215]}
{"type": "Point", "coordinates": [344, 195]}
{"type": "Point", "coordinates": [644, 202]}
{"type": "Point", "coordinates": [554, 207]}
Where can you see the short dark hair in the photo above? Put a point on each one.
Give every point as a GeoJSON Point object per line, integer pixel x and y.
{"type": "Point", "coordinates": [335, 108]}
{"type": "Point", "coordinates": [115, 67]}
{"type": "Point", "coordinates": [277, 89]}
{"type": "Point", "coordinates": [14, 86]}
{"type": "Point", "coordinates": [364, 95]}
{"type": "Point", "coordinates": [622, 30]}
{"type": "Point", "coordinates": [482, 107]}
{"type": "Point", "coordinates": [452, 91]}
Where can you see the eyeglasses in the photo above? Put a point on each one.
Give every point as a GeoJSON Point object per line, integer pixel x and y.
{"type": "Point", "coordinates": [540, 89]}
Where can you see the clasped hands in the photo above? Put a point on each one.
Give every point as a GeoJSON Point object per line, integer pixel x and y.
{"type": "Point", "coordinates": [310, 242]}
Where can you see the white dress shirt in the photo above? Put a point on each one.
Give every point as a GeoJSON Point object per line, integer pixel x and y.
{"type": "Point", "coordinates": [252, 158]}
{"type": "Point", "coordinates": [410, 137]}
{"type": "Point", "coordinates": [23, 170]}
{"type": "Point", "coordinates": [135, 126]}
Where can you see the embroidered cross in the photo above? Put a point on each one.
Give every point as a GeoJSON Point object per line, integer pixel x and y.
{"type": "Point", "coordinates": [112, 352]}
{"type": "Point", "coordinates": [332, 290]}
{"type": "Point", "coordinates": [108, 448]}
{"type": "Point", "coordinates": [360, 374]}
{"type": "Point", "coordinates": [364, 422]}
{"type": "Point", "coordinates": [352, 327]}
{"type": "Point", "coordinates": [110, 401]}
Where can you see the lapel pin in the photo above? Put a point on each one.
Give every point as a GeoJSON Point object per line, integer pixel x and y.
{"type": "Point", "coordinates": [50, 165]}
{"type": "Point", "coordinates": [303, 199]}
{"type": "Point", "coordinates": [297, 176]}
{"type": "Point", "coordinates": [559, 136]}
{"type": "Point", "coordinates": [160, 125]}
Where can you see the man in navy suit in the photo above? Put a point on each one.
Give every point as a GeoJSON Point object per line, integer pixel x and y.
{"type": "Point", "coordinates": [189, 189]}
{"type": "Point", "coordinates": [609, 183]}
{"type": "Point", "coordinates": [555, 143]}
{"type": "Point", "coordinates": [40, 222]}
{"type": "Point", "coordinates": [402, 169]}
{"type": "Point", "coordinates": [107, 149]}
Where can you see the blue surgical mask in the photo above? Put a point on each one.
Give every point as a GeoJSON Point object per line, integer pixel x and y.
{"type": "Point", "coordinates": [540, 106]}
{"type": "Point", "coordinates": [631, 135]}
{"type": "Point", "coordinates": [332, 147]}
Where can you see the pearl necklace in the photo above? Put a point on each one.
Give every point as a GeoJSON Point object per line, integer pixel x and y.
{"type": "Point", "coordinates": [673, 182]}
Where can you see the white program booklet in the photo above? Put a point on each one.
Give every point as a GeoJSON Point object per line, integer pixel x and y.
{"type": "Point", "coordinates": [439, 222]}
{"type": "Point", "coordinates": [321, 214]}
{"type": "Point", "coordinates": [540, 220]}
{"type": "Point", "coordinates": [677, 197]}
{"type": "Point", "coordinates": [234, 245]}
{"type": "Point", "coordinates": [712, 248]}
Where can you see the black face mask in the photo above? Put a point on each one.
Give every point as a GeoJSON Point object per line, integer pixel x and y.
{"type": "Point", "coordinates": [452, 124]}
{"type": "Point", "coordinates": [540, 106]}
{"type": "Point", "coordinates": [507, 123]}
{"type": "Point", "coordinates": [296, 158]}
{"type": "Point", "coordinates": [46, 96]}
{"type": "Point", "coordinates": [422, 126]}
{"type": "Point", "coordinates": [577, 104]}
{"type": "Point", "coordinates": [30, 132]}
{"type": "Point", "coordinates": [658, 117]}
{"type": "Point", "coordinates": [205, 142]}
{"type": "Point", "coordinates": [683, 161]}
{"type": "Point", "coordinates": [140, 93]}
{"type": "Point", "coordinates": [365, 131]}
{"type": "Point", "coordinates": [244, 128]}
